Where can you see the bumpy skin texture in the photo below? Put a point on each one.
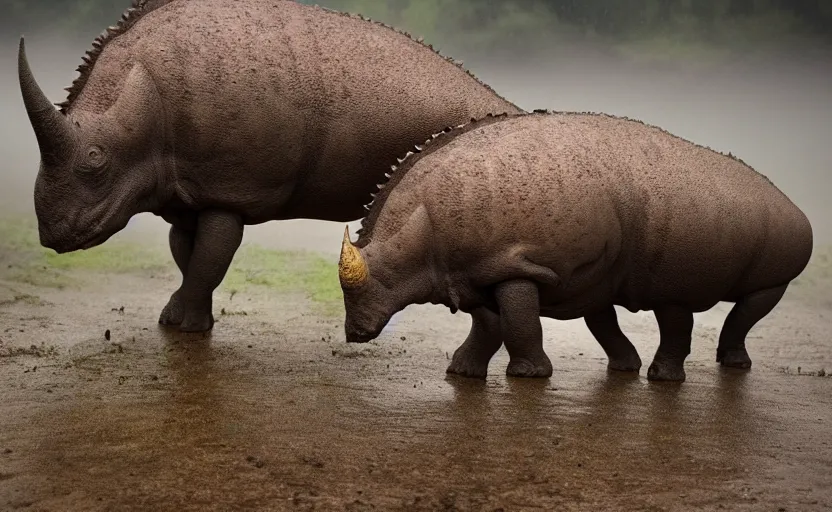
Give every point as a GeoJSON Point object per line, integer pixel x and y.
{"type": "Point", "coordinates": [565, 215]}
{"type": "Point", "coordinates": [217, 114]}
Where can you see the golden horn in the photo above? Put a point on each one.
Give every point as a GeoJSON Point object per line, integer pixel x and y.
{"type": "Point", "coordinates": [352, 269]}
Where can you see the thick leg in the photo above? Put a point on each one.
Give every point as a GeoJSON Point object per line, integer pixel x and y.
{"type": "Point", "coordinates": [218, 236]}
{"type": "Point", "coordinates": [472, 357]}
{"type": "Point", "coordinates": [521, 329]}
{"type": "Point", "coordinates": [743, 316]}
{"type": "Point", "coordinates": [675, 328]}
{"type": "Point", "coordinates": [621, 353]}
{"type": "Point", "coordinates": [181, 246]}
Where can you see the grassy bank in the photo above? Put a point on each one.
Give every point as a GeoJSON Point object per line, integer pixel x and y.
{"type": "Point", "coordinates": [254, 267]}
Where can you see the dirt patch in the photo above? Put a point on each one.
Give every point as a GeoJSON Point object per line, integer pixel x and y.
{"type": "Point", "coordinates": [105, 410]}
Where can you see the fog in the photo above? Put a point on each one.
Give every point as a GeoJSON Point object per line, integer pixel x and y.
{"type": "Point", "coordinates": [773, 112]}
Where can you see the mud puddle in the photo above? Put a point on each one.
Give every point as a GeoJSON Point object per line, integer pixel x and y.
{"type": "Point", "coordinates": [273, 411]}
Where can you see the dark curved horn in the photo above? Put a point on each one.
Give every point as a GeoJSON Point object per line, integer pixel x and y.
{"type": "Point", "coordinates": [52, 129]}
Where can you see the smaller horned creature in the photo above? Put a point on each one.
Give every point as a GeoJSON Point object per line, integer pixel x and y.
{"type": "Point", "coordinates": [566, 215]}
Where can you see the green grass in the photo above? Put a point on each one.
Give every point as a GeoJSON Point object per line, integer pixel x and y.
{"type": "Point", "coordinates": [253, 267]}
{"type": "Point", "coordinates": [38, 266]}
{"type": "Point", "coordinates": [288, 271]}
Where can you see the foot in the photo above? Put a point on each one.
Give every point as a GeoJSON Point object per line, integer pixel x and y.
{"type": "Point", "coordinates": [197, 322]}
{"type": "Point", "coordinates": [173, 312]}
{"type": "Point", "coordinates": [733, 358]}
{"type": "Point", "coordinates": [469, 362]}
{"type": "Point", "coordinates": [628, 363]}
{"type": "Point", "coordinates": [527, 368]}
{"type": "Point", "coordinates": [666, 370]}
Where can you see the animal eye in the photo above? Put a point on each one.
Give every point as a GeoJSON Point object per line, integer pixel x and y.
{"type": "Point", "coordinates": [95, 157]}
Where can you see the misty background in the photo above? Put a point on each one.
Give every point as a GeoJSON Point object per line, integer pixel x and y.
{"type": "Point", "coordinates": [753, 77]}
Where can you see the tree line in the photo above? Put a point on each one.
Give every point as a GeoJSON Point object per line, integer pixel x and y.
{"type": "Point", "coordinates": [484, 23]}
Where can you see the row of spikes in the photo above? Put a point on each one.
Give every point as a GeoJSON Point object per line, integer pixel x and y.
{"type": "Point", "coordinates": [127, 19]}
{"type": "Point", "coordinates": [625, 118]}
{"type": "Point", "coordinates": [420, 40]}
{"type": "Point", "coordinates": [420, 147]}
{"type": "Point", "coordinates": [133, 13]}
{"type": "Point", "coordinates": [417, 149]}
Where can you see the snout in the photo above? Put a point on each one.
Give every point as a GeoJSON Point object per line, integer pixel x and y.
{"type": "Point", "coordinates": [359, 332]}
{"type": "Point", "coordinates": [61, 239]}
{"type": "Point", "coordinates": [52, 237]}
{"type": "Point", "coordinates": [365, 317]}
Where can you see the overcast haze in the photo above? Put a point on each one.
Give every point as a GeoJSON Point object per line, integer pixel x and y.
{"type": "Point", "coordinates": [774, 111]}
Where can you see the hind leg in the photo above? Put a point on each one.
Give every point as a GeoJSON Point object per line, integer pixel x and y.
{"type": "Point", "coordinates": [675, 329]}
{"type": "Point", "coordinates": [621, 353]}
{"type": "Point", "coordinates": [743, 316]}
{"type": "Point", "coordinates": [521, 329]}
{"type": "Point", "coordinates": [472, 357]}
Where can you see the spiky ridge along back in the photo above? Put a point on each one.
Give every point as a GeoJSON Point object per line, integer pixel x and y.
{"type": "Point", "coordinates": [457, 63]}
{"type": "Point", "coordinates": [141, 7]}
{"type": "Point", "coordinates": [399, 171]}
{"type": "Point", "coordinates": [446, 136]}
{"type": "Point", "coordinates": [129, 18]}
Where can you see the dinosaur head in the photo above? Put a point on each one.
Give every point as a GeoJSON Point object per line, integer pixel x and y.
{"type": "Point", "coordinates": [96, 170]}
{"type": "Point", "coordinates": [385, 276]}
{"type": "Point", "coordinates": [367, 301]}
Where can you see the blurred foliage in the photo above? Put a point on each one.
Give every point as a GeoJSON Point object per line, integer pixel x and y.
{"type": "Point", "coordinates": [477, 25]}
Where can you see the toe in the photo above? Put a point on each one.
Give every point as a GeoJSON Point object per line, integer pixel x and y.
{"type": "Point", "coordinates": [625, 364]}
{"type": "Point", "coordinates": [529, 369]}
{"type": "Point", "coordinates": [197, 323]}
{"type": "Point", "coordinates": [737, 358]}
{"type": "Point", "coordinates": [666, 371]}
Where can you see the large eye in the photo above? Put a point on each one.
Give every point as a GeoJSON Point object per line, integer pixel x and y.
{"type": "Point", "coordinates": [95, 157]}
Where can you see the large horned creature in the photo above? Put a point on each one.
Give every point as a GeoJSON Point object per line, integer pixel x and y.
{"type": "Point", "coordinates": [215, 115]}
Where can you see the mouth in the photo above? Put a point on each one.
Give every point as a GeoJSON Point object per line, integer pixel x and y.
{"type": "Point", "coordinates": [90, 242]}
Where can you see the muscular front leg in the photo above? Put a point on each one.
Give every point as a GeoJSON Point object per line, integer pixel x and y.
{"type": "Point", "coordinates": [675, 330]}
{"type": "Point", "coordinates": [217, 237]}
{"type": "Point", "coordinates": [472, 357]}
{"type": "Point", "coordinates": [620, 351]}
{"type": "Point", "coordinates": [181, 242]}
{"type": "Point", "coordinates": [520, 326]}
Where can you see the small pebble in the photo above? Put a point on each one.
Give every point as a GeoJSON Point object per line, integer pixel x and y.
{"type": "Point", "coordinates": [107, 335]}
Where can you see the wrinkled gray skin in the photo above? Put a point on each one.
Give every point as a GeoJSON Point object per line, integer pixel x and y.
{"type": "Point", "coordinates": [565, 216]}
{"type": "Point", "coordinates": [217, 114]}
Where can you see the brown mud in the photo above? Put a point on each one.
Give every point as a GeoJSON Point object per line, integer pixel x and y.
{"type": "Point", "coordinates": [102, 409]}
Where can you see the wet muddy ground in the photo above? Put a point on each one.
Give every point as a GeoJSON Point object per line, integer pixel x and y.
{"type": "Point", "coordinates": [102, 409]}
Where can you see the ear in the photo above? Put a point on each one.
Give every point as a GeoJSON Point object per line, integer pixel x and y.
{"type": "Point", "coordinates": [139, 106]}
